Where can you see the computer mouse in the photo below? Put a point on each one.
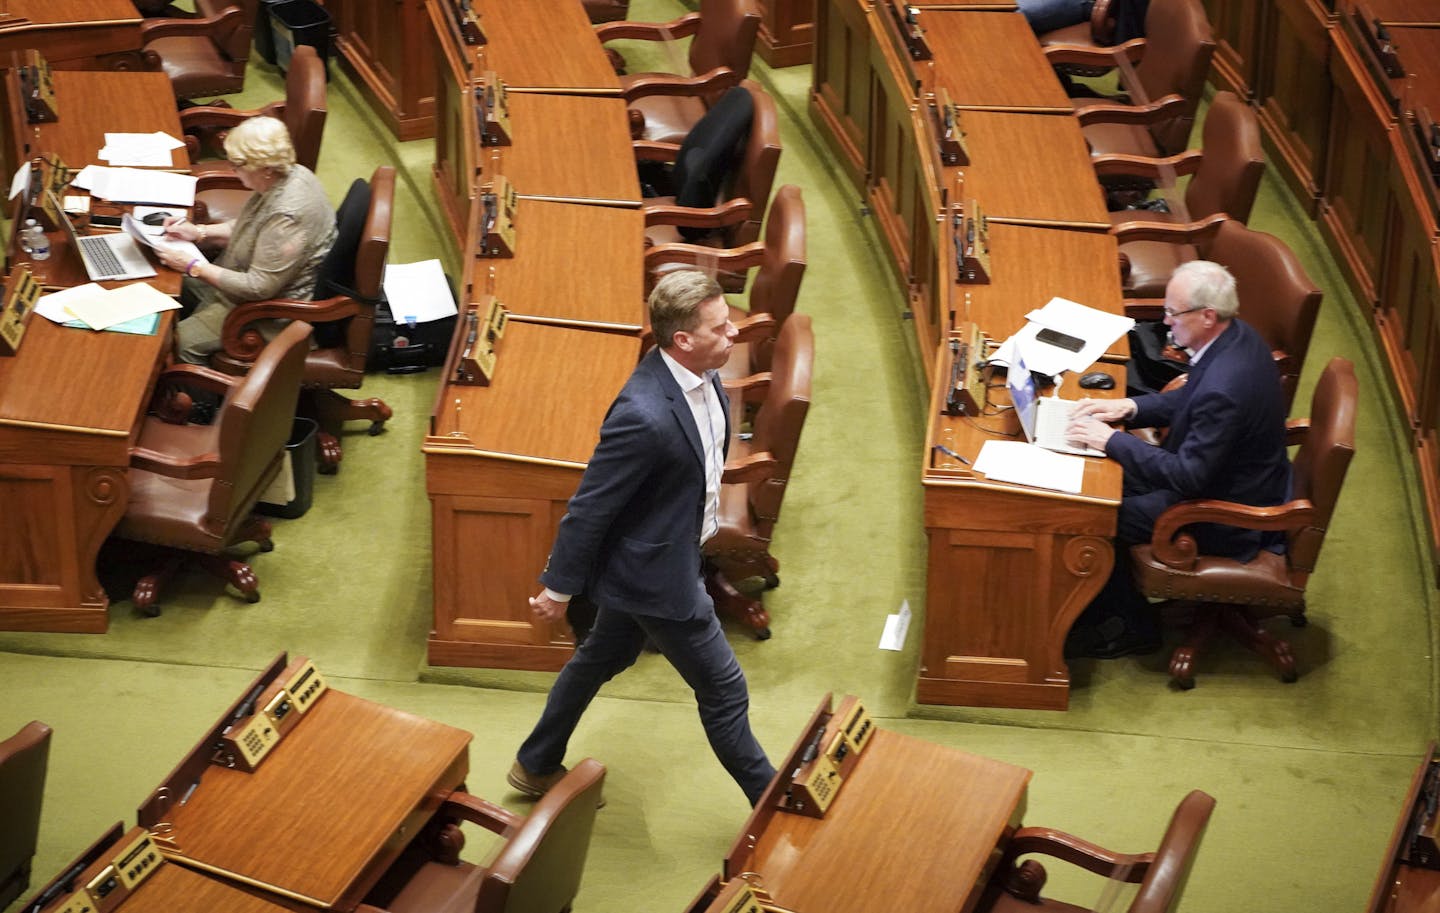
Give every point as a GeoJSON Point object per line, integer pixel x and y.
{"type": "Point", "coordinates": [155, 218]}
{"type": "Point", "coordinates": [1097, 380]}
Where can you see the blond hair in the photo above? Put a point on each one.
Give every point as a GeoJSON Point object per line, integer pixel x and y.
{"type": "Point", "coordinates": [675, 303]}
{"type": "Point", "coordinates": [261, 142]}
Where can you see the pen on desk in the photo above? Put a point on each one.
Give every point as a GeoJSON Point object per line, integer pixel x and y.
{"type": "Point", "coordinates": [952, 454]}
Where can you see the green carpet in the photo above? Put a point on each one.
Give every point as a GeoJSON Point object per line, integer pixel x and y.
{"type": "Point", "coordinates": [1308, 776]}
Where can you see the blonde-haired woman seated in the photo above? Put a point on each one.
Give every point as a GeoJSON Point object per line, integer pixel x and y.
{"type": "Point", "coordinates": [272, 249]}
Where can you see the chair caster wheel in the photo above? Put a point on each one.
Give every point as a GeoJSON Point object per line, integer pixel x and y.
{"type": "Point", "coordinates": [150, 611]}
{"type": "Point", "coordinates": [252, 598]}
{"type": "Point", "coordinates": [1289, 678]}
{"type": "Point", "coordinates": [267, 545]}
{"type": "Point", "coordinates": [327, 469]}
{"type": "Point", "coordinates": [1184, 684]}
{"type": "Point", "coordinates": [772, 581]}
{"type": "Point", "coordinates": [375, 428]}
{"type": "Point", "coordinates": [762, 633]}
{"type": "Point", "coordinates": [1298, 621]}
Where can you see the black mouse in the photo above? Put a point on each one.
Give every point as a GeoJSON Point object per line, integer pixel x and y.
{"type": "Point", "coordinates": [1097, 380]}
{"type": "Point", "coordinates": [155, 218]}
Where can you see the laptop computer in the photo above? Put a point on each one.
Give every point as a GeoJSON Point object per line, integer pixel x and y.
{"type": "Point", "coordinates": [1043, 418]}
{"type": "Point", "coordinates": [114, 255]}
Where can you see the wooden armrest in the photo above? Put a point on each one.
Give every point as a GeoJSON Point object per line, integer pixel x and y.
{"type": "Point", "coordinates": [1085, 56]}
{"type": "Point", "coordinates": [212, 117]}
{"type": "Point", "coordinates": [731, 259]}
{"type": "Point", "coordinates": [1079, 852]}
{"type": "Point", "coordinates": [1296, 431]}
{"type": "Point", "coordinates": [243, 342]}
{"type": "Point", "coordinates": [756, 327]}
{"type": "Point", "coordinates": [207, 379]}
{"type": "Point", "coordinates": [1183, 233]}
{"type": "Point", "coordinates": [1156, 169]}
{"type": "Point", "coordinates": [212, 27]}
{"type": "Point", "coordinates": [731, 212]}
{"type": "Point", "coordinates": [1109, 112]}
{"type": "Point", "coordinates": [213, 176]}
{"type": "Point", "coordinates": [751, 388]}
{"type": "Point", "coordinates": [479, 811]}
{"type": "Point", "coordinates": [1178, 550]}
{"type": "Point", "coordinates": [1145, 308]}
{"type": "Point", "coordinates": [683, 27]}
{"type": "Point", "coordinates": [204, 466]}
{"type": "Point", "coordinates": [757, 467]}
{"type": "Point", "coordinates": [644, 85]}
{"type": "Point", "coordinates": [651, 151]}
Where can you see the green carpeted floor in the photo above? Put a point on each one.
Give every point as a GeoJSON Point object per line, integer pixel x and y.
{"type": "Point", "coordinates": [1308, 776]}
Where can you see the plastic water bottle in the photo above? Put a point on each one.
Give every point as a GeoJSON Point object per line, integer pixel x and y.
{"type": "Point", "coordinates": [39, 242]}
{"type": "Point", "coordinates": [25, 233]}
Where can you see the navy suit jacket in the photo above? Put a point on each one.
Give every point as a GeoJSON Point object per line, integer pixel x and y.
{"type": "Point", "coordinates": [1226, 438]}
{"type": "Point", "coordinates": [630, 538]}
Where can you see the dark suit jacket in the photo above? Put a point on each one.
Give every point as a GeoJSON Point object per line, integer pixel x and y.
{"type": "Point", "coordinates": [1226, 437]}
{"type": "Point", "coordinates": [630, 536]}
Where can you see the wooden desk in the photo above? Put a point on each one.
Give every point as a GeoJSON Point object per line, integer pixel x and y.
{"type": "Point", "coordinates": [327, 811]}
{"type": "Point", "coordinates": [1400, 886]}
{"type": "Point", "coordinates": [541, 283]}
{"type": "Point", "coordinates": [545, 47]}
{"type": "Point", "coordinates": [501, 462]}
{"type": "Point", "coordinates": [565, 147]}
{"type": "Point", "coordinates": [1055, 185]}
{"type": "Point", "coordinates": [76, 34]}
{"type": "Point", "coordinates": [991, 60]}
{"type": "Point", "coordinates": [92, 104]}
{"type": "Point", "coordinates": [914, 827]}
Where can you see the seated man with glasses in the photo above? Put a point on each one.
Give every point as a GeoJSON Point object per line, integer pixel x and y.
{"type": "Point", "coordinates": [1225, 440]}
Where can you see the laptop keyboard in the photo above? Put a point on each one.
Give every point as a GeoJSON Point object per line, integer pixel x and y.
{"type": "Point", "coordinates": [102, 256]}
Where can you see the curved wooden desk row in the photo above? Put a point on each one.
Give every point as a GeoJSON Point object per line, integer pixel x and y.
{"type": "Point", "coordinates": [1344, 135]}
{"type": "Point", "coordinates": [502, 460]}
{"type": "Point", "coordinates": [1010, 567]}
{"type": "Point", "coordinates": [75, 34]}
{"type": "Point", "coordinates": [71, 400]}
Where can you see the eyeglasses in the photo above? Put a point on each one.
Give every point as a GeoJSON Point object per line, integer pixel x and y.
{"type": "Point", "coordinates": [1171, 312]}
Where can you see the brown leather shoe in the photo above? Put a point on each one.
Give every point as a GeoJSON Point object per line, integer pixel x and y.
{"type": "Point", "coordinates": [532, 785]}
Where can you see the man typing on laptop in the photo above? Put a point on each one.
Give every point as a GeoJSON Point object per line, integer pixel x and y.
{"type": "Point", "coordinates": [1226, 440]}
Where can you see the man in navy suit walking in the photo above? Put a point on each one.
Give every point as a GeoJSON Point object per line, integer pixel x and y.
{"type": "Point", "coordinates": [630, 540]}
{"type": "Point", "coordinates": [1226, 441]}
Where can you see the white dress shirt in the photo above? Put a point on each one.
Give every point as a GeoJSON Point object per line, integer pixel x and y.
{"type": "Point", "coordinates": [709, 418]}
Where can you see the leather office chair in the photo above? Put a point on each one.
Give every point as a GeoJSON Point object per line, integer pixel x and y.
{"type": "Point", "coordinates": [1015, 888]}
{"type": "Point", "coordinates": [1153, 115]}
{"type": "Point", "coordinates": [343, 311]}
{"type": "Point", "coordinates": [1277, 298]}
{"type": "Point", "coordinates": [719, 185]}
{"type": "Point", "coordinates": [1225, 178]}
{"type": "Point", "coordinates": [537, 869]}
{"type": "Point", "coordinates": [23, 760]}
{"type": "Point", "coordinates": [303, 111]}
{"type": "Point", "coordinates": [205, 55]}
{"type": "Point", "coordinates": [192, 487]}
{"type": "Point", "coordinates": [756, 474]}
{"type": "Point", "coordinates": [606, 10]}
{"type": "Point", "coordinates": [670, 104]}
{"type": "Point", "coordinates": [1233, 595]}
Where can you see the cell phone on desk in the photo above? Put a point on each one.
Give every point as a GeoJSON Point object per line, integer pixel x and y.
{"type": "Point", "coordinates": [1063, 340]}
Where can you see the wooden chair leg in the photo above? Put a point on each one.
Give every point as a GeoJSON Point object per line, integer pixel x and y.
{"type": "Point", "coordinates": [236, 573]}
{"type": "Point", "coordinates": [146, 594]}
{"type": "Point", "coordinates": [735, 604]}
{"type": "Point", "coordinates": [1240, 625]}
{"type": "Point", "coordinates": [1182, 661]}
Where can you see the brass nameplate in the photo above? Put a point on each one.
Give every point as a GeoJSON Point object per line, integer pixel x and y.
{"type": "Point", "coordinates": [492, 110]}
{"type": "Point", "coordinates": [949, 136]}
{"type": "Point", "coordinates": [485, 325]}
{"type": "Point", "coordinates": [21, 292]}
{"type": "Point", "coordinates": [497, 229]}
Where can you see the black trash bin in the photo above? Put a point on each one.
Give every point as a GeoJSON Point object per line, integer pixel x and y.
{"type": "Point", "coordinates": [264, 38]}
{"type": "Point", "coordinates": [302, 453]}
{"type": "Point", "coordinates": [297, 22]}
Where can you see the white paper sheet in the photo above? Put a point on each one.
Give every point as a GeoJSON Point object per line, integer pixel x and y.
{"type": "Point", "coordinates": [121, 304]}
{"type": "Point", "coordinates": [145, 234]}
{"type": "Point", "coordinates": [1026, 464]}
{"type": "Point", "coordinates": [136, 185]}
{"type": "Point", "coordinates": [55, 306]}
{"type": "Point", "coordinates": [418, 292]}
{"type": "Point", "coordinates": [896, 627]}
{"type": "Point", "coordinates": [140, 149]}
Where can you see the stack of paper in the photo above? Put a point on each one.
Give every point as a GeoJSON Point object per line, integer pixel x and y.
{"type": "Point", "coordinates": [1026, 464]}
{"type": "Point", "coordinates": [136, 185]}
{"type": "Point", "coordinates": [418, 292]}
{"type": "Point", "coordinates": [1097, 328]}
{"type": "Point", "coordinates": [100, 308]}
{"type": "Point", "coordinates": [140, 149]}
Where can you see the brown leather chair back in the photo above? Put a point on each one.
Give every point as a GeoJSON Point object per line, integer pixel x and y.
{"type": "Point", "coordinates": [726, 37]}
{"type": "Point", "coordinates": [539, 867]}
{"type": "Point", "coordinates": [1165, 880]}
{"type": "Point", "coordinates": [1276, 297]}
{"type": "Point", "coordinates": [203, 60]}
{"type": "Point", "coordinates": [781, 417]}
{"type": "Point", "coordinates": [254, 424]}
{"type": "Point", "coordinates": [305, 105]}
{"type": "Point", "coordinates": [23, 760]}
{"type": "Point", "coordinates": [606, 10]}
{"type": "Point", "coordinates": [755, 175]}
{"type": "Point", "coordinates": [341, 363]}
{"type": "Point", "coordinates": [1319, 468]}
{"type": "Point", "coordinates": [1178, 46]}
{"type": "Point", "coordinates": [776, 284]}
{"type": "Point", "coordinates": [1229, 174]}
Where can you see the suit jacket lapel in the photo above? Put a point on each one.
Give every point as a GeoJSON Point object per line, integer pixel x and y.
{"type": "Point", "coordinates": [725, 408]}
{"type": "Point", "coordinates": [679, 405]}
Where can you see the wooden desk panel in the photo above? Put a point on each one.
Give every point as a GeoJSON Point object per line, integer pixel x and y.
{"type": "Point", "coordinates": [541, 282]}
{"type": "Point", "coordinates": [1419, 50]}
{"type": "Point", "coordinates": [1293, 76]}
{"type": "Point", "coordinates": [76, 34]}
{"type": "Point", "coordinates": [913, 828]}
{"type": "Point", "coordinates": [328, 810]}
{"type": "Point", "coordinates": [501, 462]}
{"type": "Point", "coordinates": [174, 887]}
{"type": "Point", "coordinates": [1029, 169]}
{"type": "Point", "coordinates": [567, 147]}
{"type": "Point", "coordinates": [542, 46]}
{"type": "Point", "coordinates": [991, 60]}
{"type": "Point", "coordinates": [1406, 12]}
